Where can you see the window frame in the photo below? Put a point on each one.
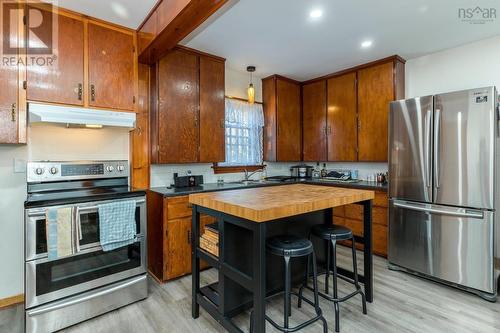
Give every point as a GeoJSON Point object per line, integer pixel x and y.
{"type": "Point", "coordinates": [218, 169]}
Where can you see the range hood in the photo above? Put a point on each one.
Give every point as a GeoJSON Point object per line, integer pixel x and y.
{"type": "Point", "coordinates": [78, 116]}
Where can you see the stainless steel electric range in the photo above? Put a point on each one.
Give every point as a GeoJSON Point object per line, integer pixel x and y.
{"type": "Point", "coordinates": [65, 291]}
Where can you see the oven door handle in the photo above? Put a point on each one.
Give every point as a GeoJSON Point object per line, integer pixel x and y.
{"type": "Point", "coordinates": [85, 298]}
{"type": "Point", "coordinates": [85, 209]}
{"type": "Point", "coordinates": [41, 212]}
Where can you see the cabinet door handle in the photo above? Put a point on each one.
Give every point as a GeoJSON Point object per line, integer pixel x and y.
{"type": "Point", "coordinates": [222, 123]}
{"type": "Point", "coordinates": [330, 130]}
{"type": "Point", "coordinates": [189, 236]}
{"type": "Point", "coordinates": [13, 112]}
{"type": "Point", "coordinates": [92, 93]}
{"type": "Point", "coordinates": [80, 91]}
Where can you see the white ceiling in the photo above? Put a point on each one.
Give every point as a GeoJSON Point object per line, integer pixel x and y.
{"type": "Point", "coordinates": [128, 13]}
{"type": "Point", "coordinates": [278, 36]}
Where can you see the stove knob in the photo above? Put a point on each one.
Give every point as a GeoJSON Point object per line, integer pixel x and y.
{"type": "Point", "coordinates": [39, 171]}
{"type": "Point", "coordinates": [53, 170]}
{"type": "Point", "coordinates": [110, 168]}
{"type": "Point", "coordinates": [121, 168]}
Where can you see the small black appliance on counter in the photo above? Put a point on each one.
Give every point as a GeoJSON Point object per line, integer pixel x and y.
{"type": "Point", "coordinates": [301, 171]}
{"type": "Point", "coordinates": [187, 181]}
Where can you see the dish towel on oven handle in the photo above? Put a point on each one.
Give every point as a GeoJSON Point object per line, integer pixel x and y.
{"type": "Point", "coordinates": [60, 233]}
{"type": "Point", "coordinates": [117, 225]}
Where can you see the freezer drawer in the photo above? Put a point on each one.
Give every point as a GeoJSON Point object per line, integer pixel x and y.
{"type": "Point", "coordinates": [447, 243]}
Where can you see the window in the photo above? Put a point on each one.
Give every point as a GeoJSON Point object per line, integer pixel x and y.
{"type": "Point", "coordinates": [244, 127]}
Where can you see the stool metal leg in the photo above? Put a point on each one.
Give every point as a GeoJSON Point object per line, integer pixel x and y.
{"type": "Point", "coordinates": [316, 298]}
{"type": "Point", "coordinates": [306, 278]}
{"type": "Point", "coordinates": [355, 270]}
{"type": "Point", "coordinates": [327, 275]}
{"type": "Point", "coordinates": [335, 291]}
{"type": "Point", "coordinates": [287, 291]}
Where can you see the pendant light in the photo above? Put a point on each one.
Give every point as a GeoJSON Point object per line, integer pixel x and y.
{"type": "Point", "coordinates": [251, 89]}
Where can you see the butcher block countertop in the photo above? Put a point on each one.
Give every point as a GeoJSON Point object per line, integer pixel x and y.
{"type": "Point", "coordinates": [275, 202]}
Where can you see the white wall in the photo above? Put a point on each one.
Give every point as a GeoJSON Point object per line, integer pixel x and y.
{"type": "Point", "coordinates": [44, 142]}
{"type": "Point", "coordinates": [237, 84]}
{"type": "Point", "coordinates": [472, 65]}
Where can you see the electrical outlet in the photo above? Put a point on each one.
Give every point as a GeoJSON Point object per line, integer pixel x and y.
{"type": "Point", "coordinates": [19, 165]}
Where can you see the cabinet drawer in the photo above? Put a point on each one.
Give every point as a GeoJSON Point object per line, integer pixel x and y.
{"type": "Point", "coordinates": [339, 211]}
{"type": "Point", "coordinates": [338, 220]}
{"type": "Point", "coordinates": [381, 199]}
{"type": "Point", "coordinates": [355, 225]}
{"type": "Point", "coordinates": [178, 207]}
{"type": "Point", "coordinates": [354, 212]}
{"type": "Point", "coordinates": [380, 240]}
{"type": "Point", "coordinates": [379, 216]}
{"type": "Point", "coordinates": [379, 233]}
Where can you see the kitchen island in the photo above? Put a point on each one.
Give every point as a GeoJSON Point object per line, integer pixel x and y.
{"type": "Point", "coordinates": [245, 219]}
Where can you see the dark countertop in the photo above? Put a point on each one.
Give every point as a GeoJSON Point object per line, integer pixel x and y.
{"type": "Point", "coordinates": [212, 187]}
{"type": "Point", "coordinates": [362, 184]}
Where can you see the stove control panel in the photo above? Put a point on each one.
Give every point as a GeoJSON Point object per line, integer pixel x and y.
{"type": "Point", "coordinates": [49, 171]}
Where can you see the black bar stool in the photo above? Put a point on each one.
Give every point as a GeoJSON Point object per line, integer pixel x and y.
{"type": "Point", "coordinates": [331, 234]}
{"type": "Point", "coordinates": [288, 246]}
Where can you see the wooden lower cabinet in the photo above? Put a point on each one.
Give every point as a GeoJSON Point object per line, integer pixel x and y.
{"type": "Point", "coordinates": [170, 237]}
{"type": "Point", "coordinates": [351, 216]}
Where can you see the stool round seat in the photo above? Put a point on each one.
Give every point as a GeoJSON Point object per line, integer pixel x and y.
{"type": "Point", "coordinates": [289, 245]}
{"type": "Point", "coordinates": [331, 232]}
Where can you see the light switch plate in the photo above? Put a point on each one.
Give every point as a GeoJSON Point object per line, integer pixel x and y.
{"type": "Point", "coordinates": [19, 165]}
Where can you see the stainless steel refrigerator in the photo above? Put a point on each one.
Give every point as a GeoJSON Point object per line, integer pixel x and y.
{"type": "Point", "coordinates": [443, 188]}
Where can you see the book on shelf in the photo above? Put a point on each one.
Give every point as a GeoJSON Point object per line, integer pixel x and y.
{"type": "Point", "coordinates": [209, 246]}
{"type": "Point", "coordinates": [211, 236]}
{"type": "Point", "coordinates": [212, 227]}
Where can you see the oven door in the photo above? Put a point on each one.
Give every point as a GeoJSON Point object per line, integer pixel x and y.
{"type": "Point", "coordinates": [36, 237]}
{"type": "Point", "coordinates": [48, 280]}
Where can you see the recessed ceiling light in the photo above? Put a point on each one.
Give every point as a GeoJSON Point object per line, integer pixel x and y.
{"type": "Point", "coordinates": [366, 44]}
{"type": "Point", "coordinates": [316, 13]}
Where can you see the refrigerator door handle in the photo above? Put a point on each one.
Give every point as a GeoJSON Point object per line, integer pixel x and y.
{"type": "Point", "coordinates": [460, 212]}
{"type": "Point", "coordinates": [437, 134]}
{"type": "Point", "coordinates": [428, 156]}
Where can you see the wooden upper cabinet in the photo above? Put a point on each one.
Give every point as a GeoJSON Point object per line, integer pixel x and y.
{"type": "Point", "coordinates": [314, 121]}
{"type": "Point", "coordinates": [12, 102]}
{"type": "Point", "coordinates": [212, 110]}
{"type": "Point", "coordinates": [269, 99]}
{"type": "Point", "coordinates": [282, 113]}
{"type": "Point", "coordinates": [8, 104]}
{"type": "Point", "coordinates": [376, 89]}
{"type": "Point", "coordinates": [289, 121]}
{"type": "Point", "coordinates": [111, 68]}
{"type": "Point", "coordinates": [178, 123]}
{"type": "Point", "coordinates": [342, 118]}
{"type": "Point", "coordinates": [188, 124]}
{"type": "Point", "coordinates": [61, 80]}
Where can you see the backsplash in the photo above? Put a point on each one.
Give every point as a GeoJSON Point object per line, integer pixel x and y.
{"type": "Point", "coordinates": [163, 175]}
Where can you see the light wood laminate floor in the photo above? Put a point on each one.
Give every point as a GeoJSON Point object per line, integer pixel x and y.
{"type": "Point", "coordinates": [402, 303]}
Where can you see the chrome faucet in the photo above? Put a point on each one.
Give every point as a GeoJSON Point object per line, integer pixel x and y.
{"type": "Point", "coordinates": [248, 175]}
